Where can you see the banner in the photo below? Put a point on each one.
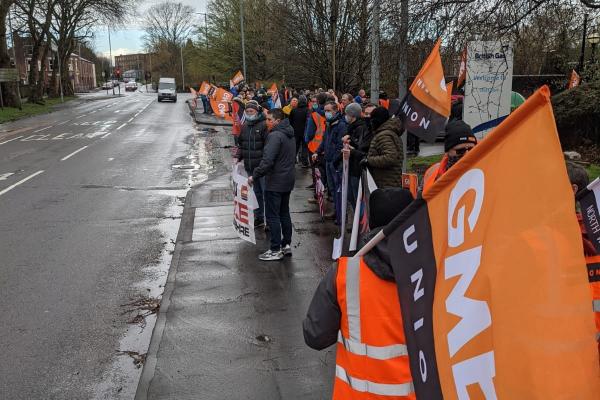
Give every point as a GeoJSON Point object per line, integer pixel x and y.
{"type": "Point", "coordinates": [462, 69]}
{"type": "Point", "coordinates": [426, 107]}
{"type": "Point", "coordinates": [204, 88]}
{"type": "Point", "coordinates": [360, 224]}
{"type": "Point", "coordinates": [239, 117]}
{"type": "Point", "coordinates": [237, 78]}
{"type": "Point", "coordinates": [338, 243]}
{"type": "Point", "coordinates": [488, 87]}
{"type": "Point", "coordinates": [411, 182]}
{"type": "Point", "coordinates": [244, 203]}
{"type": "Point", "coordinates": [220, 102]}
{"type": "Point", "coordinates": [589, 200]}
{"type": "Point", "coordinates": [319, 191]}
{"type": "Point", "coordinates": [490, 272]}
{"type": "Point", "coordinates": [574, 80]}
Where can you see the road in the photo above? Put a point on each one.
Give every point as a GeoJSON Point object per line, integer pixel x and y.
{"type": "Point", "coordinates": [90, 203]}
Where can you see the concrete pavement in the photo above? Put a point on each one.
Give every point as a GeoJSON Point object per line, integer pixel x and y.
{"type": "Point", "coordinates": [230, 326]}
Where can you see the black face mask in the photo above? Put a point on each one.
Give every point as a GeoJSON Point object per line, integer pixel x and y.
{"type": "Point", "coordinates": [452, 160]}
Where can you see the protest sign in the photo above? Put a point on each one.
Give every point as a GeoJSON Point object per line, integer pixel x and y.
{"type": "Point", "coordinates": [244, 203]}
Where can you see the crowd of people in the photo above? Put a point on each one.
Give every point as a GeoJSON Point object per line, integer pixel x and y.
{"type": "Point", "coordinates": [356, 305]}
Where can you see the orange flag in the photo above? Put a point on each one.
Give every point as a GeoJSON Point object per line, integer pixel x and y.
{"type": "Point", "coordinates": [574, 80]}
{"type": "Point", "coordinates": [491, 274]}
{"type": "Point", "coordinates": [462, 70]}
{"type": "Point", "coordinates": [411, 182]}
{"type": "Point", "coordinates": [204, 88]}
{"type": "Point", "coordinates": [426, 107]}
{"type": "Point", "coordinates": [237, 78]}
{"type": "Point", "coordinates": [220, 102]}
{"type": "Point", "coordinates": [273, 88]}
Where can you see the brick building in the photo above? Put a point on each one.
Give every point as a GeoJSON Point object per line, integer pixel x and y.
{"type": "Point", "coordinates": [138, 62]}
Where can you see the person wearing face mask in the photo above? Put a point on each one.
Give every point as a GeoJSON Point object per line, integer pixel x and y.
{"type": "Point", "coordinates": [459, 140]}
{"type": "Point", "coordinates": [298, 118]}
{"type": "Point", "coordinates": [358, 139]}
{"type": "Point", "coordinates": [330, 148]}
{"type": "Point", "coordinates": [313, 133]}
{"type": "Point", "coordinates": [385, 155]}
{"type": "Point", "coordinates": [251, 143]}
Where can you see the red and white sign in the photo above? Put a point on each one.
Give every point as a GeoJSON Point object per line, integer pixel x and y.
{"type": "Point", "coordinates": [244, 203]}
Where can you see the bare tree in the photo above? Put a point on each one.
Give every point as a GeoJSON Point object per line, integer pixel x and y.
{"type": "Point", "coordinates": [168, 22]}
{"type": "Point", "coordinates": [8, 90]}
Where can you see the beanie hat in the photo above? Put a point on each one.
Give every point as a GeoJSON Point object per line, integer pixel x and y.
{"type": "Point", "coordinates": [253, 104]}
{"type": "Point", "coordinates": [322, 98]}
{"type": "Point", "coordinates": [458, 132]}
{"type": "Point", "coordinates": [378, 117]}
{"type": "Point", "coordinates": [353, 110]}
{"type": "Point", "coordinates": [385, 204]}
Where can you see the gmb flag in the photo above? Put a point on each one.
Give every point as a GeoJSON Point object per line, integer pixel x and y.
{"type": "Point", "coordinates": [491, 273]}
{"type": "Point", "coordinates": [426, 107]}
{"type": "Point", "coordinates": [589, 200]}
{"type": "Point", "coordinates": [220, 101]}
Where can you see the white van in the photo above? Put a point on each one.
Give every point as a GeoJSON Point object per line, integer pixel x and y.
{"type": "Point", "coordinates": [167, 89]}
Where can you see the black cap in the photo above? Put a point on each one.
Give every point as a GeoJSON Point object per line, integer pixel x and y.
{"type": "Point", "coordinates": [458, 132]}
{"type": "Point", "coordinates": [385, 204]}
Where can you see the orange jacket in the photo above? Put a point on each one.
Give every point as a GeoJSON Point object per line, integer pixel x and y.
{"type": "Point", "coordinates": [372, 359]}
{"type": "Point", "coordinates": [434, 172]}
{"type": "Point", "coordinates": [319, 121]}
{"type": "Point", "coordinates": [385, 103]}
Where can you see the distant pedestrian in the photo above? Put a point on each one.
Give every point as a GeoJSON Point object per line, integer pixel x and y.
{"type": "Point", "coordinates": [298, 119]}
{"type": "Point", "coordinates": [277, 166]}
{"type": "Point", "coordinates": [251, 143]}
{"type": "Point", "coordinates": [346, 99]}
{"type": "Point", "coordinates": [385, 155]}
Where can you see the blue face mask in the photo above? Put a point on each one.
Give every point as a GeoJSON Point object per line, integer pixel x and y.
{"type": "Point", "coordinates": [315, 106]}
{"type": "Point", "coordinates": [330, 116]}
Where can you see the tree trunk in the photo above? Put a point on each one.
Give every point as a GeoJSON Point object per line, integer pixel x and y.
{"type": "Point", "coordinates": [375, 53]}
{"type": "Point", "coordinates": [9, 96]}
{"type": "Point", "coordinates": [403, 67]}
{"type": "Point", "coordinates": [35, 93]}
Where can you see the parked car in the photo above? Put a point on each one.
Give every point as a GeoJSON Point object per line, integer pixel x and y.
{"type": "Point", "coordinates": [167, 89]}
{"type": "Point", "coordinates": [131, 86]}
{"type": "Point", "coordinates": [107, 85]}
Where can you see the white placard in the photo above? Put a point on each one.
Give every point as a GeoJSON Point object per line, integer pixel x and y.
{"type": "Point", "coordinates": [244, 203]}
{"type": "Point", "coordinates": [488, 85]}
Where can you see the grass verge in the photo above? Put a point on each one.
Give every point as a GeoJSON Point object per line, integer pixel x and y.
{"type": "Point", "coordinates": [593, 171]}
{"type": "Point", "coordinates": [29, 109]}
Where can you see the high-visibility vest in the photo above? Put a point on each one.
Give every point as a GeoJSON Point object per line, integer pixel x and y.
{"type": "Point", "coordinates": [434, 172]}
{"type": "Point", "coordinates": [319, 121]}
{"type": "Point", "coordinates": [593, 269]}
{"type": "Point", "coordinates": [372, 359]}
{"type": "Point", "coordinates": [385, 103]}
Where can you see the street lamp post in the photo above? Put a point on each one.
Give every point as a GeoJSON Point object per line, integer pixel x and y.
{"type": "Point", "coordinates": [182, 73]}
{"type": "Point", "coordinates": [593, 39]}
{"type": "Point", "coordinates": [242, 34]}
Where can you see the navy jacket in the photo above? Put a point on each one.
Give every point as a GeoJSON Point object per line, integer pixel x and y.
{"type": "Point", "coordinates": [279, 158]}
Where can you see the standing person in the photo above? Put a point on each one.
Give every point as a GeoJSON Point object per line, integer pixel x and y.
{"type": "Point", "coordinates": [331, 148]}
{"type": "Point", "coordinates": [358, 138]}
{"type": "Point", "coordinates": [346, 99]}
{"type": "Point", "coordinates": [385, 155]}
{"type": "Point", "coordinates": [298, 118]}
{"type": "Point", "coordinates": [277, 165]}
{"type": "Point", "coordinates": [288, 108]}
{"type": "Point", "coordinates": [357, 308]}
{"type": "Point", "coordinates": [313, 135]}
{"type": "Point", "coordinates": [459, 140]}
{"type": "Point", "coordinates": [251, 143]}
{"type": "Point", "coordinates": [361, 97]}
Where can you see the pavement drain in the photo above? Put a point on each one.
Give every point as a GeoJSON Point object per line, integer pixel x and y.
{"type": "Point", "coordinates": [263, 338]}
{"type": "Point", "coordinates": [148, 306]}
{"type": "Point", "coordinates": [221, 196]}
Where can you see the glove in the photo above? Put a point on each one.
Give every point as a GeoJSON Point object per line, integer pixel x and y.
{"type": "Point", "coordinates": [364, 163]}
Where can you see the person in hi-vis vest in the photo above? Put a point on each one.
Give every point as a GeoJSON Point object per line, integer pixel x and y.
{"type": "Point", "coordinates": [356, 307]}
{"type": "Point", "coordinates": [579, 179]}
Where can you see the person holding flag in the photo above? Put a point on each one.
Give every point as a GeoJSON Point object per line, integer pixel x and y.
{"type": "Point", "coordinates": [356, 307]}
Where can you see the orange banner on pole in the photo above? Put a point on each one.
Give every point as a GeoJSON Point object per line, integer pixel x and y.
{"type": "Point", "coordinates": [204, 88]}
{"type": "Point", "coordinates": [411, 182]}
{"type": "Point", "coordinates": [491, 274]}
{"type": "Point", "coordinates": [220, 102]}
{"type": "Point", "coordinates": [574, 80]}
{"type": "Point", "coordinates": [237, 78]}
{"type": "Point", "coordinates": [272, 89]}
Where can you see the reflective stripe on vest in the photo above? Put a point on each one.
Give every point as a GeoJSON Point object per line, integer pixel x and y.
{"type": "Point", "coordinates": [382, 368]}
{"type": "Point", "coordinates": [315, 142]}
{"type": "Point", "coordinates": [382, 389]}
{"type": "Point", "coordinates": [376, 352]}
{"type": "Point", "coordinates": [593, 270]}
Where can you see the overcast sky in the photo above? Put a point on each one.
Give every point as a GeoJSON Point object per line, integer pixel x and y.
{"type": "Point", "coordinates": [129, 40]}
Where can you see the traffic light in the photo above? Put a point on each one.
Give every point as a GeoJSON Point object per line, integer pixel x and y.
{"type": "Point", "coordinates": [118, 73]}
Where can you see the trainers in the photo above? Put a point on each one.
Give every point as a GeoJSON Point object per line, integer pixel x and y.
{"type": "Point", "coordinates": [287, 250]}
{"type": "Point", "coordinates": [271, 255]}
{"type": "Point", "coordinates": [258, 223]}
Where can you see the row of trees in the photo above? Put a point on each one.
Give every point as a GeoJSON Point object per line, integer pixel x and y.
{"type": "Point", "coordinates": [59, 24]}
{"type": "Point", "coordinates": [299, 42]}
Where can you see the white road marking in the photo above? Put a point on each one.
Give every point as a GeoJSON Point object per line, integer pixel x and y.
{"type": "Point", "coordinates": [11, 187]}
{"type": "Point", "coordinates": [43, 129]}
{"type": "Point", "coordinates": [130, 119]}
{"type": "Point", "coordinates": [36, 137]}
{"type": "Point", "coordinates": [61, 136]}
{"type": "Point", "coordinates": [108, 134]}
{"type": "Point", "coordinates": [122, 126]}
{"type": "Point", "coordinates": [62, 123]}
{"type": "Point", "coordinates": [18, 137]}
{"type": "Point", "coordinates": [3, 177]}
{"type": "Point", "coordinates": [117, 111]}
{"type": "Point", "coordinates": [91, 112]}
{"type": "Point", "coordinates": [81, 116]}
{"type": "Point", "coordinates": [110, 159]}
{"type": "Point", "coordinates": [73, 153]}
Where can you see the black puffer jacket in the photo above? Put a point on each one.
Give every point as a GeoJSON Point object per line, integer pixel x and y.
{"type": "Point", "coordinates": [322, 321]}
{"type": "Point", "coordinates": [360, 140]}
{"type": "Point", "coordinates": [251, 143]}
{"type": "Point", "coordinates": [278, 160]}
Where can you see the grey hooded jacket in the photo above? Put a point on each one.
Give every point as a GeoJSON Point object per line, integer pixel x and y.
{"type": "Point", "coordinates": [279, 156]}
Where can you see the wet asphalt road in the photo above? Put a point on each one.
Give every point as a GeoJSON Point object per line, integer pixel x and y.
{"type": "Point", "coordinates": [89, 205]}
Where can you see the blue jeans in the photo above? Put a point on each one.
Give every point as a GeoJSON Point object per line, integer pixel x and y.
{"type": "Point", "coordinates": [259, 191]}
{"type": "Point", "coordinates": [278, 218]}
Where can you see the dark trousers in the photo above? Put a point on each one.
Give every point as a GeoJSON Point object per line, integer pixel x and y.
{"type": "Point", "coordinates": [259, 191]}
{"type": "Point", "coordinates": [277, 211]}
